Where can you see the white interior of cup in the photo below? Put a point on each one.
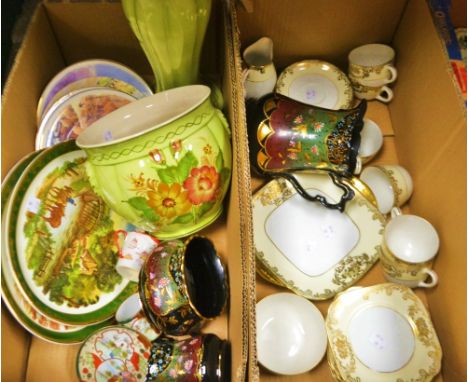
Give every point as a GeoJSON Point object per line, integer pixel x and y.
{"type": "Point", "coordinates": [371, 55]}
{"type": "Point", "coordinates": [381, 187]}
{"type": "Point", "coordinates": [371, 138]}
{"type": "Point", "coordinates": [146, 114]}
{"type": "Point", "coordinates": [291, 335]}
{"type": "Point", "coordinates": [411, 238]}
{"type": "Point", "coordinates": [129, 309]}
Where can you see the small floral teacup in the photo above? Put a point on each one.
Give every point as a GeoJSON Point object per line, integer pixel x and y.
{"type": "Point", "coordinates": [133, 253]}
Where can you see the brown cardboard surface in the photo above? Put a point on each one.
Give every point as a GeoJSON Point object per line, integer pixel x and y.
{"type": "Point", "coordinates": [87, 30]}
{"type": "Point", "coordinates": [319, 29]}
{"type": "Point", "coordinates": [425, 131]}
{"type": "Point", "coordinates": [14, 363]}
{"type": "Point", "coordinates": [24, 86]}
{"type": "Point", "coordinates": [430, 133]}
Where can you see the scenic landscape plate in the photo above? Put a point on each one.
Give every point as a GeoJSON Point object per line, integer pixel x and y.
{"type": "Point", "coordinates": [115, 353]}
{"type": "Point", "coordinates": [87, 69]}
{"type": "Point", "coordinates": [17, 303]}
{"type": "Point", "coordinates": [73, 113]}
{"type": "Point", "coordinates": [316, 82]}
{"type": "Point", "coordinates": [312, 250]}
{"type": "Point", "coordinates": [60, 240]}
{"type": "Point", "coordinates": [382, 333]}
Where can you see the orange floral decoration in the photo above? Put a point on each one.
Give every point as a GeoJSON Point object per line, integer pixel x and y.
{"type": "Point", "coordinates": [202, 184]}
{"type": "Point", "coordinates": [169, 200]}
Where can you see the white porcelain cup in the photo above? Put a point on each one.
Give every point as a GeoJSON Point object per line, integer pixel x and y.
{"type": "Point", "coordinates": [380, 93]}
{"type": "Point", "coordinates": [409, 244]}
{"type": "Point", "coordinates": [133, 253]}
{"type": "Point", "coordinates": [372, 65]}
{"type": "Point", "coordinates": [371, 140]}
{"type": "Point", "coordinates": [391, 185]}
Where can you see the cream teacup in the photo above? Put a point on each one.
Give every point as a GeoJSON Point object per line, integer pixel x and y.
{"type": "Point", "coordinates": [372, 65]}
{"type": "Point", "coordinates": [409, 244]}
{"type": "Point", "coordinates": [133, 253]}
{"type": "Point", "coordinates": [391, 185]}
{"type": "Point", "coordinates": [380, 93]}
{"type": "Point", "coordinates": [371, 140]}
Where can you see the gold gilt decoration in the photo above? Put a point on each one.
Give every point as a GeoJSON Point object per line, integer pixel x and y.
{"type": "Point", "coordinates": [352, 268]}
{"type": "Point", "coordinates": [344, 352]}
{"type": "Point", "coordinates": [274, 193]}
{"type": "Point", "coordinates": [396, 190]}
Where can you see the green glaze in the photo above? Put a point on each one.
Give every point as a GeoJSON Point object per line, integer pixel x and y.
{"type": "Point", "coordinates": [172, 179]}
{"type": "Point", "coordinates": [171, 33]}
{"type": "Point", "coordinates": [17, 234]}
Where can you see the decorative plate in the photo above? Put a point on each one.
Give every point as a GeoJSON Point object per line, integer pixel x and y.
{"type": "Point", "coordinates": [72, 114]}
{"type": "Point", "coordinates": [94, 82]}
{"type": "Point", "coordinates": [115, 353]}
{"type": "Point", "coordinates": [18, 304]}
{"type": "Point", "coordinates": [312, 250]}
{"type": "Point", "coordinates": [60, 240]}
{"type": "Point", "coordinates": [382, 333]}
{"type": "Point", "coordinates": [316, 82]}
{"type": "Point", "coordinates": [87, 69]}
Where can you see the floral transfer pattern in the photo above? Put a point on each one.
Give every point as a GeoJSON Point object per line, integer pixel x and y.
{"type": "Point", "coordinates": [182, 193]}
{"type": "Point", "coordinates": [298, 136]}
{"type": "Point", "coordinates": [114, 354]}
{"type": "Point", "coordinates": [175, 360]}
{"type": "Point", "coordinates": [166, 297]}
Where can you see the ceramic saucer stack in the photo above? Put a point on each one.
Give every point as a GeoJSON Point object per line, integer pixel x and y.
{"type": "Point", "coordinates": [58, 257]}
{"type": "Point", "coordinates": [81, 94]}
{"type": "Point", "coordinates": [381, 333]}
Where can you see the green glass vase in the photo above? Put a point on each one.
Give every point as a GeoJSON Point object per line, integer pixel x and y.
{"type": "Point", "coordinates": [171, 33]}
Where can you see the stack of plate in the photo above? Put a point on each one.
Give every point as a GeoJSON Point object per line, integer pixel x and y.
{"type": "Point", "coordinates": [58, 256]}
{"type": "Point", "coordinates": [381, 333]}
{"type": "Point", "coordinates": [81, 94]}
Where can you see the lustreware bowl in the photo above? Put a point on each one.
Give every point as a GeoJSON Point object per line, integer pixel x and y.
{"type": "Point", "coordinates": [162, 162]}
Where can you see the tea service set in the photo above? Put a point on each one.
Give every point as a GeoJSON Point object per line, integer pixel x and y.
{"type": "Point", "coordinates": [101, 223]}
{"type": "Point", "coordinates": [325, 215]}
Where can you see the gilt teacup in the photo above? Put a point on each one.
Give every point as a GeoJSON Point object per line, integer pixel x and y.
{"type": "Point", "coordinates": [409, 244]}
{"type": "Point", "coordinates": [372, 65]}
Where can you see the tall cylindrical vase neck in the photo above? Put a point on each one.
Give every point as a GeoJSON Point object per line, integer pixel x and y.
{"type": "Point", "coordinates": [172, 34]}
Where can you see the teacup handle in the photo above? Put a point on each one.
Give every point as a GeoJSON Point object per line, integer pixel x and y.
{"type": "Point", "coordinates": [393, 76]}
{"type": "Point", "coordinates": [385, 95]}
{"type": "Point", "coordinates": [116, 240]}
{"type": "Point", "coordinates": [434, 279]}
{"type": "Point", "coordinates": [348, 192]}
{"type": "Point", "coordinates": [395, 212]}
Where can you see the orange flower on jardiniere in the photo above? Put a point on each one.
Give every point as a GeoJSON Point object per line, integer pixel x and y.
{"type": "Point", "coordinates": [169, 200]}
{"type": "Point", "coordinates": [202, 184]}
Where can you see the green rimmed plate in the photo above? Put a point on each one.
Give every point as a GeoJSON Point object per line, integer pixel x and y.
{"type": "Point", "coordinates": [314, 251]}
{"type": "Point", "coordinates": [60, 240]}
{"type": "Point", "coordinates": [19, 306]}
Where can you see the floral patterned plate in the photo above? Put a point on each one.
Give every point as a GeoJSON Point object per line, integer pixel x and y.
{"type": "Point", "coordinates": [13, 297]}
{"type": "Point", "coordinates": [382, 333]}
{"type": "Point", "coordinates": [115, 353]}
{"type": "Point", "coordinates": [73, 113]}
{"type": "Point", "coordinates": [88, 69]}
{"type": "Point", "coordinates": [60, 240]}
{"type": "Point", "coordinates": [312, 250]}
{"type": "Point", "coordinates": [316, 82]}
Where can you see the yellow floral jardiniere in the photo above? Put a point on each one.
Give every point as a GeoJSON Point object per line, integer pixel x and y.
{"type": "Point", "coordinates": [163, 162]}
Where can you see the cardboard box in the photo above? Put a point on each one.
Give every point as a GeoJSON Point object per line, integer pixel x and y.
{"type": "Point", "coordinates": [424, 128]}
{"type": "Point", "coordinates": [59, 35]}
